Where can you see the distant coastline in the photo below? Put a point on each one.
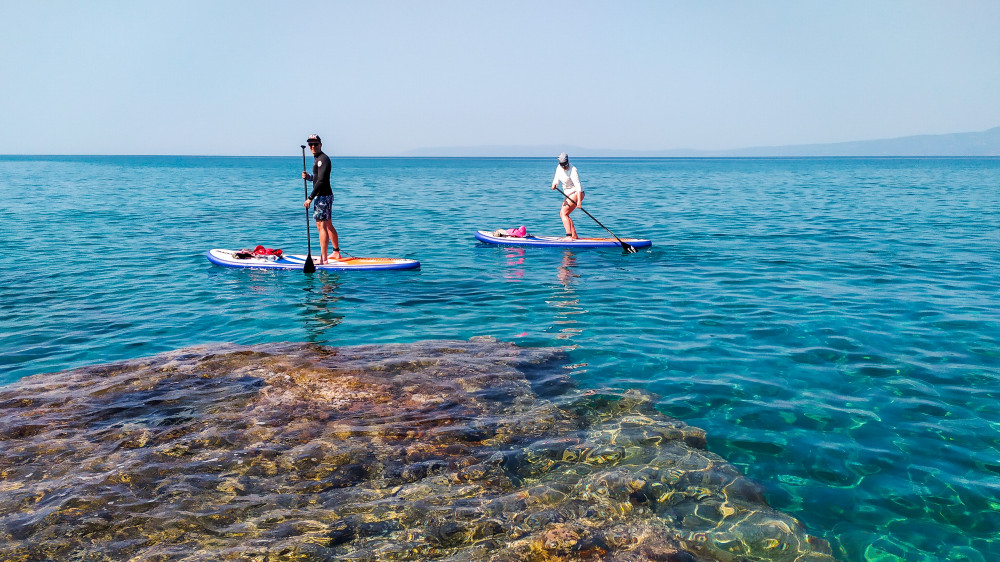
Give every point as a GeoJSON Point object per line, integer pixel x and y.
{"type": "Point", "coordinates": [976, 144]}
{"type": "Point", "coordinates": [984, 143]}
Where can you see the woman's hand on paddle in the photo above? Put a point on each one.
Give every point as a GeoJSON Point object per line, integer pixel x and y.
{"type": "Point", "coordinates": [305, 175]}
{"type": "Point", "coordinates": [306, 203]}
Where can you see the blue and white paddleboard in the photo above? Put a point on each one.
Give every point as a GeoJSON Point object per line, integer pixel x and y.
{"type": "Point", "coordinates": [228, 258]}
{"type": "Point", "coordinates": [560, 241]}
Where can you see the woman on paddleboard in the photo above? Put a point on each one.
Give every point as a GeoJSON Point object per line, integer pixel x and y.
{"type": "Point", "coordinates": [321, 199]}
{"type": "Point", "coordinates": [573, 189]}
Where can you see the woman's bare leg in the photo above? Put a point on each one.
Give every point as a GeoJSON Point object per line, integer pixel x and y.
{"type": "Point", "coordinates": [564, 212]}
{"type": "Point", "coordinates": [567, 208]}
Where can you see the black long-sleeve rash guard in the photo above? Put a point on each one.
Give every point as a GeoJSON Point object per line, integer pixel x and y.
{"type": "Point", "coordinates": [321, 176]}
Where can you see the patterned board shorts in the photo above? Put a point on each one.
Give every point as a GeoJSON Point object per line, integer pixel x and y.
{"type": "Point", "coordinates": [322, 205]}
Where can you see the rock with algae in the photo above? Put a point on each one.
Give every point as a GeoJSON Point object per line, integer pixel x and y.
{"type": "Point", "coordinates": [448, 450]}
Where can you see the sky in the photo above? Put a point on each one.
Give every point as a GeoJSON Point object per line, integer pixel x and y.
{"type": "Point", "coordinates": [380, 78]}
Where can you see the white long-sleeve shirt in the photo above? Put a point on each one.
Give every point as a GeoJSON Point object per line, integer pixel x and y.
{"type": "Point", "coordinates": [571, 181]}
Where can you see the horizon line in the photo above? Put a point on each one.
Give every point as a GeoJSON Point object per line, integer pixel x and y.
{"type": "Point", "coordinates": [590, 157]}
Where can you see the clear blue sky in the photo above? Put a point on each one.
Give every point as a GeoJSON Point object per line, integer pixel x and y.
{"type": "Point", "coordinates": [380, 78]}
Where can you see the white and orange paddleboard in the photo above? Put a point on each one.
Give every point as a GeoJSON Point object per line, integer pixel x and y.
{"type": "Point", "coordinates": [228, 258]}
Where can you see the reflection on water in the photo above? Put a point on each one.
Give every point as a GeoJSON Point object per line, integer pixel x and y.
{"type": "Point", "coordinates": [457, 450]}
{"type": "Point", "coordinates": [567, 267]}
{"type": "Point", "coordinates": [566, 301]}
{"type": "Point", "coordinates": [319, 307]}
{"type": "Point", "coordinates": [514, 262]}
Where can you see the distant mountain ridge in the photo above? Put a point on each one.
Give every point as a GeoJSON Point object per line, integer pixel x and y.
{"type": "Point", "coordinates": [984, 143]}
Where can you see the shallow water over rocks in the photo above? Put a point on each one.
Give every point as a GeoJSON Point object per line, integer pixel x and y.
{"type": "Point", "coordinates": [451, 450]}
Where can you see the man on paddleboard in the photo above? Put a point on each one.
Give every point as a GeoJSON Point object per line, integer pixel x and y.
{"type": "Point", "coordinates": [573, 189]}
{"type": "Point", "coordinates": [321, 199]}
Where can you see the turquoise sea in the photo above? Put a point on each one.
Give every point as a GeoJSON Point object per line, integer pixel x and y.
{"type": "Point", "coordinates": [832, 323]}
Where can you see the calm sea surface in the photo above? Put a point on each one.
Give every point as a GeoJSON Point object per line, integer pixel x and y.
{"type": "Point", "coordinates": [833, 323]}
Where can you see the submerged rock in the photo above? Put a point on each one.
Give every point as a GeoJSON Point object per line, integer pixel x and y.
{"type": "Point", "coordinates": [477, 450]}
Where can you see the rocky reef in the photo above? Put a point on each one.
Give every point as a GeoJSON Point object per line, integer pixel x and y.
{"type": "Point", "coordinates": [444, 450]}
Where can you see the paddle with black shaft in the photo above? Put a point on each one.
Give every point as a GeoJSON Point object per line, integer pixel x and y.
{"type": "Point", "coordinates": [628, 248]}
{"type": "Point", "coordinates": [309, 267]}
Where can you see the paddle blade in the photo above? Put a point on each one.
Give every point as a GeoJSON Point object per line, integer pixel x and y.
{"type": "Point", "coordinates": [629, 249]}
{"type": "Point", "coordinates": [308, 267]}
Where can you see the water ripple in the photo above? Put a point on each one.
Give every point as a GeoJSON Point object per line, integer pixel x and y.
{"type": "Point", "coordinates": [798, 309]}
